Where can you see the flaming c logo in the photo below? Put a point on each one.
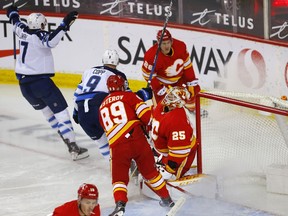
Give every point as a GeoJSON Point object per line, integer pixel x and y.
{"type": "Point", "coordinates": [251, 68]}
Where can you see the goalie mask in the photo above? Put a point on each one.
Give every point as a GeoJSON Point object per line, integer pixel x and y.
{"type": "Point", "coordinates": [115, 83]}
{"type": "Point", "coordinates": [36, 21]}
{"type": "Point", "coordinates": [176, 97]}
{"type": "Point", "coordinates": [88, 191]}
{"type": "Point", "coordinates": [110, 57]}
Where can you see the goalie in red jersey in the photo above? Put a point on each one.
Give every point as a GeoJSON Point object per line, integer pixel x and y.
{"type": "Point", "coordinates": [85, 205]}
{"type": "Point", "coordinates": [172, 134]}
{"type": "Point", "coordinates": [123, 116]}
{"type": "Point", "coordinates": [173, 68]}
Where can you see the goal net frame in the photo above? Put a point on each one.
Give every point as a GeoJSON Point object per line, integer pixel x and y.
{"type": "Point", "coordinates": [226, 99]}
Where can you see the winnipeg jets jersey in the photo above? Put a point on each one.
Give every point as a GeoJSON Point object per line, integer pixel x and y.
{"type": "Point", "coordinates": [94, 81]}
{"type": "Point", "coordinates": [35, 56]}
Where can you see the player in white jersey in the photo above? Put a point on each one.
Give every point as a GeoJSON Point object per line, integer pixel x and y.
{"type": "Point", "coordinates": [34, 69]}
{"type": "Point", "coordinates": [89, 95]}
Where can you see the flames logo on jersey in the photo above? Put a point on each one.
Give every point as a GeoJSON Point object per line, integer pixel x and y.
{"type": "Point", "coordinates": [175, 69]}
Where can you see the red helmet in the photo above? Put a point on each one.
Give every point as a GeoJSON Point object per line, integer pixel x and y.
{"type": "Point", "coordinates": [88, 191]}
{"type": "Point", "coordinates": [115, 83]}
{"type": "Point", "coordinates": [166, 35]}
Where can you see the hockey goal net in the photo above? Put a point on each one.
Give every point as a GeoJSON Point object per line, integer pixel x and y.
{"type": "Point", "coordinates": [243, 133]}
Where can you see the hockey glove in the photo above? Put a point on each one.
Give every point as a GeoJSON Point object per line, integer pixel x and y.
{"type": "Point", "coordinates": [12, 12]}
{"type": "Point", "coordinates": [164, 170]}
{"type": "Point", "coordinates": [75, 116]}
{"type": "Point", "coordinates": [190, 104]}
{"type": "Point", "coordinates": [145, 93]}
{"type": "Point", "coordinates": [166, 174]}
{"type": "Point", "coordinates": [69, 19]}
{"type": "Point", "coordinates": [162, 91]}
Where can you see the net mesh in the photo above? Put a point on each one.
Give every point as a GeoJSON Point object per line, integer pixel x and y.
{"type": "Point", "coordinates": [237, 140]}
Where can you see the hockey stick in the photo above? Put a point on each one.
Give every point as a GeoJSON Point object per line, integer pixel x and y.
{"type": "Point", "coordinates": [159, 44]}
{"type": "Point", "coordinates": [176, 207]}
{"type": "Point", "coordinates": [14, 48]}
{"type": "Point", "coordinates": [180, 189]}
{"type": "Point", "coordinates": [133, 171]}
{"type": "Point", "coordinates": [14, 43]}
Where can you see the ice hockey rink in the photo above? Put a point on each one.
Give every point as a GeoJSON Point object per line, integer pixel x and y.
{"type": "Point", "coordinates": [37, 174]}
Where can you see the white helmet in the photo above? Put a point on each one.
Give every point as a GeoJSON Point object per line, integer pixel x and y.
{"type": "Point", "coordinates": [36, 21]}
{"type": "Point", "coordinates": [176, 97]}
{"type": "Point", "coordinates": [110, 57]}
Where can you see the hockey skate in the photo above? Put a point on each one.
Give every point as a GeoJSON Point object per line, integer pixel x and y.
{"type": "Point", "coordinates": [166, 202]}
{"type": "Point", "coordinates": [77, 153]}
{"type": "Point", "coordinates": [119, 209]}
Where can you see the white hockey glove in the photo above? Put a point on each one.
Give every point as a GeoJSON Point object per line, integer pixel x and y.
{"type": "Point", "coordinates": [162, 91]}
{"type": "Point", "coordinates": [165, 174]}
{"type": "Point", "coordinates": [161, 168]}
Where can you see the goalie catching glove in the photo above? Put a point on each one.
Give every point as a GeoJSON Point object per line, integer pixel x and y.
{"type": "Point", "coordinates": [68, 20]}
{"type": "Point", "coordinates": [193, 89]}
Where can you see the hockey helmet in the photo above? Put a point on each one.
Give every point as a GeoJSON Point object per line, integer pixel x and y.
{"type": "Point", "coordinates": [115, 83]}
{"type": "Point", "coordinates": [36, 21]}
{"type": "Point", "coordinates": [176, 97]}
{"type": "Point", "coordinates": [88, 191]}
{"type": "Point", "coordinates": [166, 35]}
{"type": "Point", "coordinates": [110, 57]}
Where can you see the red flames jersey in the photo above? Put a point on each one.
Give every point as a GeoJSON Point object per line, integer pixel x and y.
{"type": "Point", "coordinates": [172, 133]}
{"type": "Point", "coordinates": [170, 70]}
{"type": "Point", "coordinates": [120, 112]}
{"type": "Point", "coordinates": [71, 209]}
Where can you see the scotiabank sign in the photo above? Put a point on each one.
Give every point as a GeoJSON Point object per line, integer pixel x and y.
{"type": "Point", "coordinates": [251, 68]}
{"type": "Point", "coordinates": [246, 18]}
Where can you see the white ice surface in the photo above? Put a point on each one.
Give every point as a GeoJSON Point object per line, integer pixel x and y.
{"type": "Point", "coordinates": [37, 174]}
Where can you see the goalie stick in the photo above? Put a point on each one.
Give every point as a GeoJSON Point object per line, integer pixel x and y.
{"type": "Point", "coordinates": [186, 180]}
{"type": "Point", "coordinates": [159, 44]}
{"type": "Point", "coordinates": [176, 207]}
{"type": "Point", "coordinates": [180, 189]}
